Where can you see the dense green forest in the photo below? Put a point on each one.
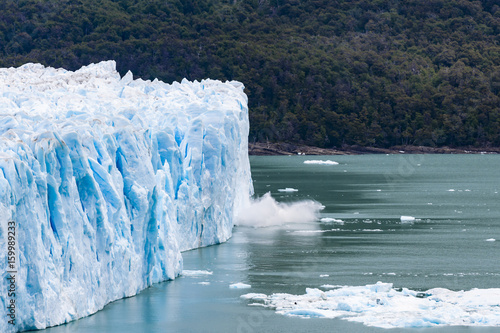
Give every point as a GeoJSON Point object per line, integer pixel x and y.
{"type": "Point", "coordinates": [318, 72]}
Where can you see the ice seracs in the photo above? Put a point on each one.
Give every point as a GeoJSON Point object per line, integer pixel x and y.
{"type": "Point", "coordinates": [108, 179]}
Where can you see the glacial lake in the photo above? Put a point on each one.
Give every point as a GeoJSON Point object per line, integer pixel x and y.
{"type": "Point", "coordinates": [453, 243]}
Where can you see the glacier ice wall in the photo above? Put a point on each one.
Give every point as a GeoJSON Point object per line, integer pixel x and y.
{"type": "Point", "coordinates": [108, 179]}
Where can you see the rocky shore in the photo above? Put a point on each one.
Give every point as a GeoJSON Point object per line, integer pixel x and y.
{"type": "Point", "coordinates": [263, 149]}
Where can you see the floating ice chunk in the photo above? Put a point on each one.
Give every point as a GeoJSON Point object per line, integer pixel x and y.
{"type": "Point", "coordinates": [324, 275]}
{"type": "Point", "coordinates": [204, 283]}
{"type": "Point", "coordinates": [451, 190]}
{"type": "Point", "coordinates": [306, 313]}
{"type": "Point", "coordinates": [380, 305]}
{"type": "Point", "coordinates": [288, 189]}
{"type": "Point", "coordinates": [187, 272]}
{"type": "Point", "coordinates": [331, 220]}
{"type": "Point", "coordinates": [240, 285]}
{"type": "Point", "coordinates": [491, 240]}
{"type": "Point", "coordinates": [254, 296]}
{"type": "Point", "coordinates": [327, 162]}
{"type": "Point", "coordinates": [407, 218]}
{"type": "Point", "coordinates": [315, 231]}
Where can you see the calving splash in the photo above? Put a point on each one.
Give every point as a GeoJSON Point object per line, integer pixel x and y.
{"type": "Point", "coordinates": [266, 211]}
{"type": "Point", "coordinates": [381, 305]}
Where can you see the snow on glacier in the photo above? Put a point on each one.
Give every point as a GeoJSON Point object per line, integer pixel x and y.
{"type": "Point", "coordinates": [108, 179]}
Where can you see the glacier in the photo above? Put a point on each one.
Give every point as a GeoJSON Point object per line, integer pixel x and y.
{"type": "Point", "coordinates": [106, 180]}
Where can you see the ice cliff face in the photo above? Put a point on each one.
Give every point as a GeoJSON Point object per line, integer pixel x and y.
{"type": "Point", "coordinates": [107, 179]}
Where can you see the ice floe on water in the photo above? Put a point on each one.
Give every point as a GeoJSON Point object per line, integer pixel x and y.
{"type": "Point", "coordinates": [288, 189]}
{"type": "Point", "coordinates": [320, 162]}
{"type": "Point", "coordinates": [407, 218]}
{"type": "Point", "coordinates": [491, 240]}
{"type": "Point", "coordinates": [240, 285]}
{"type": "Point", "coordinates": [315, 231]}
{"type": "Point", "coordinates": [328, 286]}
{"type": "Point", "coordinates": [188, 272]}
{"type": "Point", "coordinates": [254, 296]}
{"type": "Point", "coordinates": [381, 305]}
{"type": "Point", "coordinates": [331, 220]}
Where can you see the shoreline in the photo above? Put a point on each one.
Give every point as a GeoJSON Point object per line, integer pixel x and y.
{"type": "Point", "coordinates": [272, 149]}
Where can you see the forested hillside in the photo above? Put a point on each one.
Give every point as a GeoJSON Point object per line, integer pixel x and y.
{"type": "Point", "coordinates": [320, 72]}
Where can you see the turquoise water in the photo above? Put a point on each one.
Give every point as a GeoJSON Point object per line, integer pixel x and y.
{"type": "Point", "coordinates": [455, 200]}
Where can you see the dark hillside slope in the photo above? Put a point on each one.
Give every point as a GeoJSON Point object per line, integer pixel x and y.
{"type": "Point", "coordinates": [318, 72]}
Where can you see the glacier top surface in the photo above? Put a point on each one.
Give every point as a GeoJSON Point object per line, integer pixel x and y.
{"type": "Point", "coordinates": [35, 99]}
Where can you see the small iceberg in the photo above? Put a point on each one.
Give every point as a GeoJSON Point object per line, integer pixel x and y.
{"type": "Point", "coordinates": [407, 218]}
{"type": "Point", "coordinates": [491, 240]}
{"type": "Point", "coordinates": [254, 296]}
{"type": "Point", "coordinates": [240, 285]}
{"type": "Point", "coordinates": [331, 220]}
{"type": "Point", "coordinates": [288, 189]}
{"type": "Point", "coordinates": [319, 162]}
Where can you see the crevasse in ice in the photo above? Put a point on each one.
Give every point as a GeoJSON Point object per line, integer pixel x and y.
{"type": "Point", "coordinates": [108, 179]}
